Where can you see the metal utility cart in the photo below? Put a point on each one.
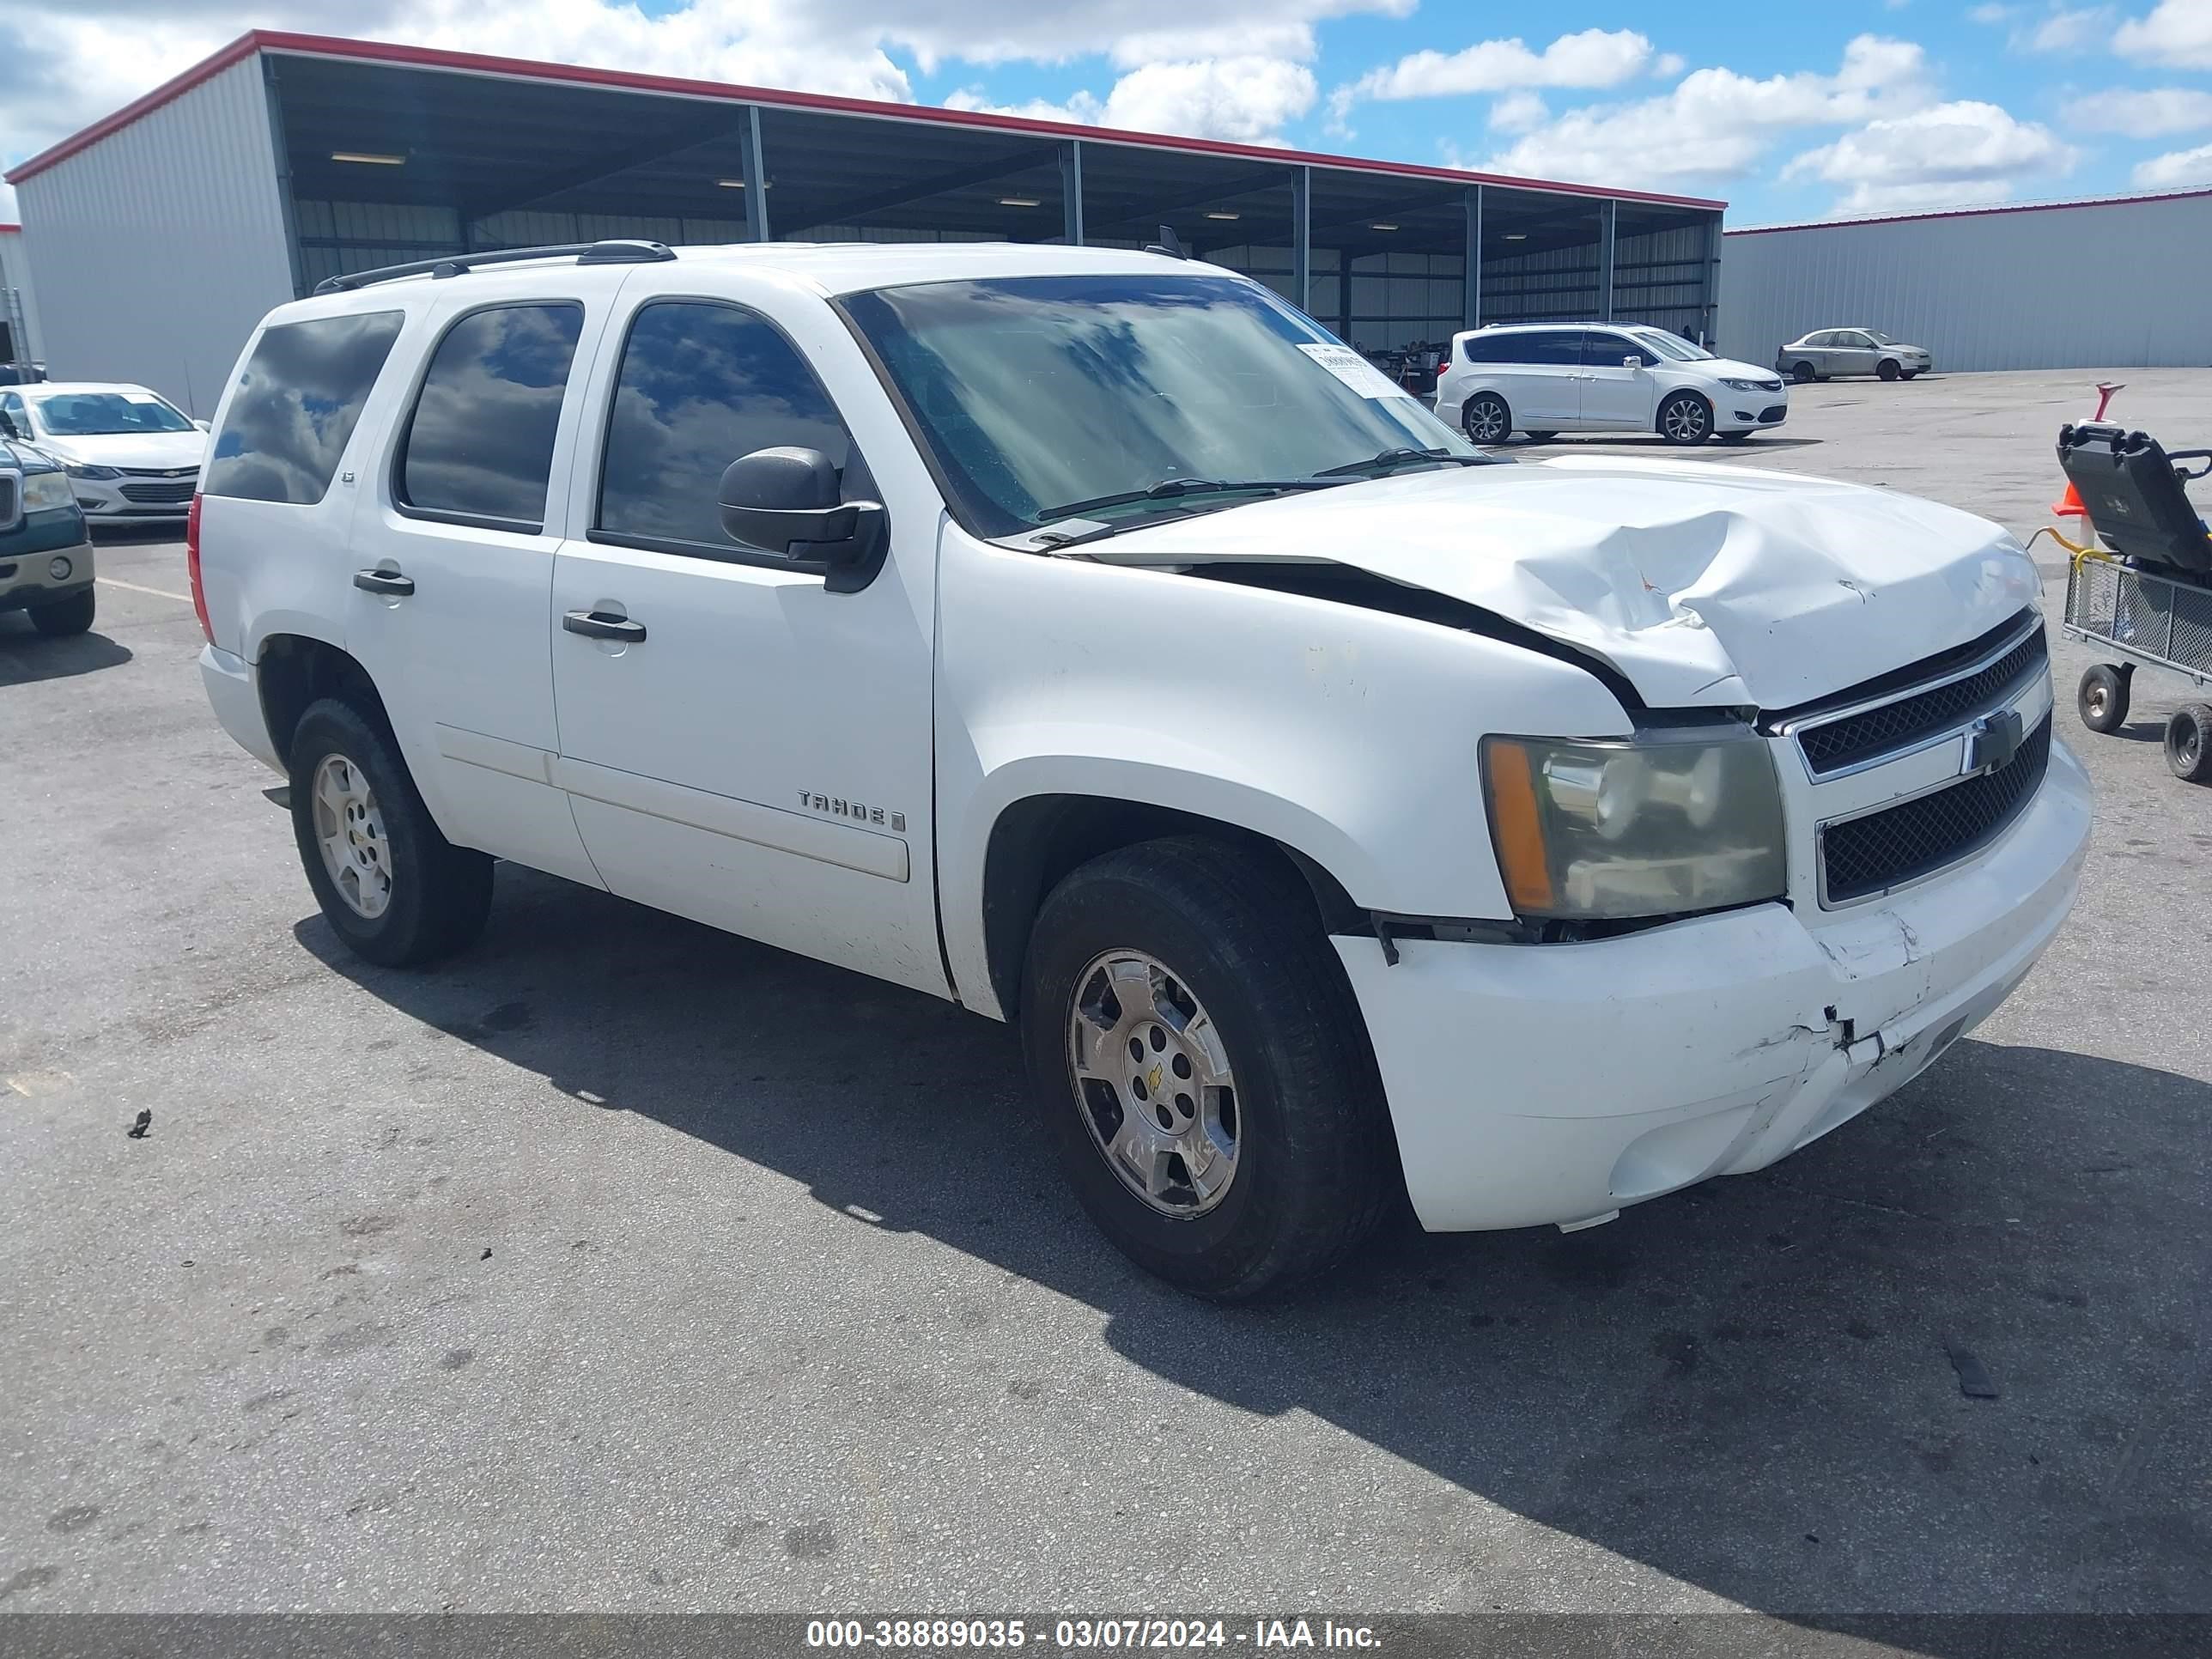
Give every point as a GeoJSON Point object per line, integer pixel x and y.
{"type": "Point", "coordinates": [2148, 599]}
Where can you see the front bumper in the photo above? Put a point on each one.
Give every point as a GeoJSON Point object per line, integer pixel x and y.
{"type": "Point", "coordinates": [1749, 411]}
{"type": "Point", "coordinates": [116, 500]}
{"type": "Point", "coordinates": [1557, 1083]}
{"type": "Point", "coordinates": [27, 579]}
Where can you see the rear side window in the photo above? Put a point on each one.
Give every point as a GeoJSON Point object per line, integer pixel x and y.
{"type": "Point", "coordinates": [479, 445]}
{"type": "Point", "coordinates": [700, 385]}
{"type": "Point", "coordinates": [294, 406]}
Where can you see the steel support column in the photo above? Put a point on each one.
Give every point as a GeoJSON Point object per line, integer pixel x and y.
{"type": "Point", "coordinates": [1474, 280]}
{"type": "Point", "coordinates": [1301, 236]}
{"type": "Point", "coordinates": [1606, 217]}
{"type": "Point", "coordinates": [755, 179]}
{"type": "Point", "coordinates": [1071, 192]}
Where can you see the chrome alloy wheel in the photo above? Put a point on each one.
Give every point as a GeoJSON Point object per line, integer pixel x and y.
{"type": "Point", "coordinates": [1484, 421]}
{"type": "Point", "coordinates": [350, 830]}
{"type": "Point", "coordinates": [1153, 1084]}
{"type": "Point", "coordinates": [1685, 420]}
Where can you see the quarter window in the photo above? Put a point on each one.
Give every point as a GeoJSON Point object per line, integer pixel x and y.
{"type": "Point", "coordinates": [479, 445]}
{"type": "Point", "coordinates": [700, 385]}
{"type": "Point", "coordinates": [295, 404]}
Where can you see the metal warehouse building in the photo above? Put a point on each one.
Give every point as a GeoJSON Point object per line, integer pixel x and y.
{"type": "Point", "coordinates": [2119, 282]}
{"type": "Point", "coordinates": [159, 237]}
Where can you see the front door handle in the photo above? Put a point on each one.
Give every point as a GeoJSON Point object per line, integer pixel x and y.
{"type": "Point", "coordinates": [384, 581]}
{"type": "Point", "coordinates": [594, 626]}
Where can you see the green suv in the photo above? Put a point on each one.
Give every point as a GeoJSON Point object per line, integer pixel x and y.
{"type": "Point", "coordinates": [46, 555]}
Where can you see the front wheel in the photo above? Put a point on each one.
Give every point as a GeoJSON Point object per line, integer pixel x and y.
{"type": "Point", "coordinates": [1911, 373]}
{"type": "Point", "coordinates": [1735, 437]}
{"type": "Point", "coordinates": [65, 616]}
{"type": "Point", "coordinates": [2102, 698]}
{"type": "Point", "coordinates": [1889, 368]}
{"type": "Point", "coordinates": [393, 888]}
{"type": "Point", "coordinates": [1802, 373]}
{"type": "Point", "coordinates": [1203, 1068]}
{"type": "Point", "coordinates": [2189, 743]}
{"type": "Point", "coordinates": [1540, 437]}
{"type": "Point", "coordinates": [1686, 418]}
{"type": "Point", "coordinates": [1486, 419]}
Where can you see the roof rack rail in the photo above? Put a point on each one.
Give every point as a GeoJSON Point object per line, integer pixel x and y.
{"type": "Point", "coordinates": [613, 253]}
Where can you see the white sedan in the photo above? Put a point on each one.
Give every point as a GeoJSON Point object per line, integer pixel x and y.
{"type": "Point", "coordinates": [130, 454]}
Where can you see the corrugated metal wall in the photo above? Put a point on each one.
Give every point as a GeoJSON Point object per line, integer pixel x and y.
{"type": "Point", "coordinates": [156, 250]}
{"type": "Point", "coordinates": [1658, 277]}
{"type": "Point", "coordinates": [15, 274]}
{"type": "Point", "coordinates": [2110, 284]}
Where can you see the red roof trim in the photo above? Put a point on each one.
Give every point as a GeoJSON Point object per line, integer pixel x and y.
{"type": "Point", "coordinates": [1971, 213]}
{"type": "Point", "coordinates": [5, 229]}
{"type": "Point", "coordinates": [585, 75]}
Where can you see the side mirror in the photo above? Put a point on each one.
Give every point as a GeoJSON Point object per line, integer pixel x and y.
{"type": "Point", "coordinates": [785, 500]}
{"type": "Point", "coordinates": [204, 426]}
{"type": "Point", "coordinates": [1632, 360]}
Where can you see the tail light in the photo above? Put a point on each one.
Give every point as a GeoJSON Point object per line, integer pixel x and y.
{"type": "Point", "coordinates": [193, 567]}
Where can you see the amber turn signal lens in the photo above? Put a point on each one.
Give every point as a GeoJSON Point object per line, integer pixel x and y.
{"type": "Point", "coordinates": [1513, 822]}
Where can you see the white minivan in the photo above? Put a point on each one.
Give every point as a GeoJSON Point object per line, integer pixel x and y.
{"type": "Point", "coordinates": [1548, 378]}
{"type": "Point", "coordinates": [1088, 638]}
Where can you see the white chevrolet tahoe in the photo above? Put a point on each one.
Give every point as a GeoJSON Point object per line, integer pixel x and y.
{"type": "Point", "coordinates": [1089, 638]}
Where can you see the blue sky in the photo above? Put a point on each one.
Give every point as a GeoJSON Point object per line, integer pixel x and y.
{"type": "Point", "coordinates": [1787, 109]}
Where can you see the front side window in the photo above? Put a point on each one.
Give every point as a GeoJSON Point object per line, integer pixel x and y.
{"type": "Point", "coordinates": [1668, 346]}
{"type": "Point", "coordinates": [479, 445]}
{"type": "Point", "coordinates": [1046, 398]}
{"type": "Point", "coordinates": [700, 385]}
{"type": "Point", "coordinates": [295, 404]}
{"type": "Point", "coordinates": [108, 414]}
{"type": "Point", "coordinates": [18, 418]}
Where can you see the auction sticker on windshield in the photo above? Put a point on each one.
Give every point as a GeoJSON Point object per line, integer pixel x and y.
{"type": "Point", "coordinates": [1355, 371]}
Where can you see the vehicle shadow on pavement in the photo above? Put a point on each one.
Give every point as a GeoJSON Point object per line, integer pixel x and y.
{"type": "Point", "coordinates": [1749, 1387]}
{"type": "Point", "coordinates": [28, 656]}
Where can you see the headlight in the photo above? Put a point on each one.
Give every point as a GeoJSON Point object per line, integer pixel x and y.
{"type": "Point", "coordinates": [77, 470]}
{"type": "Point", "coordinates": [1747, 386]}
{"type": "Point", "coordinates": [1612, 829]}
{"type": "Point", "coordinates": [44, 489]}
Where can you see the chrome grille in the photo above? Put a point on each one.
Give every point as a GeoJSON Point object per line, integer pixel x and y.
{"type": "Point", "coordinates": [1835, 744]}
{"type": "Point", "coordinates": [1872, 854]}
{"type": "Point", "coordinates": [11, 498]}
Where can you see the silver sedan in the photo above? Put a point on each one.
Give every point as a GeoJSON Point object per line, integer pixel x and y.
{"type": "Point", "coordinates": [1831, 351]}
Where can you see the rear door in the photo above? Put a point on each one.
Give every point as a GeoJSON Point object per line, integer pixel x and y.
{"type": "Point", "coordinates": [1545, 387]}
{"type": "Point", "coordinates": [741, 745]}
{"type": "Point", "coordinates": [454, 558]}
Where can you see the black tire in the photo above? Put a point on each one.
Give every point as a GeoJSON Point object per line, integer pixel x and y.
{"type": "Point", "coordinates": [1802, 373]}
{"type": "Point", "coordinates": [1888, 369]}
{"type": "Point", "coordinates": [1735, 437]}
{"type": "Point", "coordinates": [2102, 699]}
{"type": "Point", "coordinates": [1911, 373]}
{"type": "Point", "coordinates": [1540, 437]}
{"type": "Point", "coordinates": [440, 894]}
{"type": "Point", "coordinates": [64, 616]}
{"type": "Point", "coordinates": [1489, 411]}
{"type": "Point", "coordinates": [1316, 1162]}
{"type": "Point", "coordinates": [1675, 425]}
{"type": "Point", "coordinates": [2189, 743]}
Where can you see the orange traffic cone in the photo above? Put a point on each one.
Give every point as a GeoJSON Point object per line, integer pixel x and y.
{"type": "Point", "coordinates": [2069, 505]}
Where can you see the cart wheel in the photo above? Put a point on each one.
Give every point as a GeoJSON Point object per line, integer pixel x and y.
{"type": "Point", "coordinates": [2103, 698]}
{"type": "Point", "coordinates": [2189, 743]}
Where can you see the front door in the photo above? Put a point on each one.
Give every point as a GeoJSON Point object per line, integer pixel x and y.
{"type": "Point", "coordinates": [740, 744]}
{"type": "Point", "coordinates": [1615, 397]}
{"type": "Point", "coordinates": [1854, 353]}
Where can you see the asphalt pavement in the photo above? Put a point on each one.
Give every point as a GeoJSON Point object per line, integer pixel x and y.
{"type": "Point", "coordinates": [622, 1265]}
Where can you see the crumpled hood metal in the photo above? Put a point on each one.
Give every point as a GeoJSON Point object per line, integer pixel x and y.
{"type": "Point", "coordinates": [1704, 586]}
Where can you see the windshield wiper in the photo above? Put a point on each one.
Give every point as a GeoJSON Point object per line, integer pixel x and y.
{"type": "Point", "coordinates": [1391, 459]}
{"type": "Point", "coordinates": [1167, 489]}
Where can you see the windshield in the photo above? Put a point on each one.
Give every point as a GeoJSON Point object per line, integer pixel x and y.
{"type": "Point", "coordinates": [1878, 337]}
{"type": "Point", "coordinates": [1037, 395]}
{"type": "Point", "coordinates": [1671, 345]}
{"type": "Point", "coordinates": [106, 414]}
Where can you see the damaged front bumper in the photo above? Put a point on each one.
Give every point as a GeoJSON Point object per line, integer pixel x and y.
{"type": "Point", "coordinates": [1557, 1083]}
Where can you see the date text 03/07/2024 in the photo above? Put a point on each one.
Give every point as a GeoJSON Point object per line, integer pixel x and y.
{"type": "Point", "coordinates": [1088, 1634]}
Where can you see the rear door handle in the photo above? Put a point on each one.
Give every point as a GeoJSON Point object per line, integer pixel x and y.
{"type": "Point", "coordinates": [593, 626]}
{"type": "Point", "coordinates": [384, 581]}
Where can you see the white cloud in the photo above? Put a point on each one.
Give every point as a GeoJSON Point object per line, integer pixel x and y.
{"type": "Point", "coordinates": [1718, 124]}
{"type": "Point", "coordinates": [1949, 155]}
{"type": "Point", "coordinates": [1518, 112]}
{"type": "Point", "coordinates": [2177, 170]}
{"type": "Point", "coordinates": [1246, 99]}
{"type": "Point", "coordinates": [2064, 30]}
{"type": "Point", "coordinates": [1992, 15]}
{"type": "Point", "coordinates": [1669, 65]}
{"type": "Point", "coordinates": [1593, 57]}
{"type": "Point", "coordinates": [2176, 34]}
{"type": "Point", "coordinates": [2151, 114]}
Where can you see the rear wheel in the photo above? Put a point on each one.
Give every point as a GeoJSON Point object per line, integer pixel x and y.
{"type": "Point", "coordinates": [2102, 698]}
{"type": "Point", "coordinates": [1487, 419]}
{"type": "Point", "coordinates": [1889, 368]}
{"type": "Point", "coordinates": [2189, 743]}
{"type": "Point", "coordinates": [394, 888]}
{"type": "Point", "coordinates": [71, 616]}
{"type": "Point", "coordinates": [1686, 418]}
{"type": "Point", "coordinates": [1801, 373]}
{"type": "Point", "coordinates": [1203, 1068]}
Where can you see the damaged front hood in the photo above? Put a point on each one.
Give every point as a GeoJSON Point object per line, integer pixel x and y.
{"type": "Point", "coordinates": [1703, 584]}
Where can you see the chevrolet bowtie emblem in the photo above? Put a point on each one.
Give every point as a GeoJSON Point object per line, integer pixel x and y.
{"type": "Point", "coordinates": [1152, 1079]}
{"type": "Point", "coordinates": [1991, 742]}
